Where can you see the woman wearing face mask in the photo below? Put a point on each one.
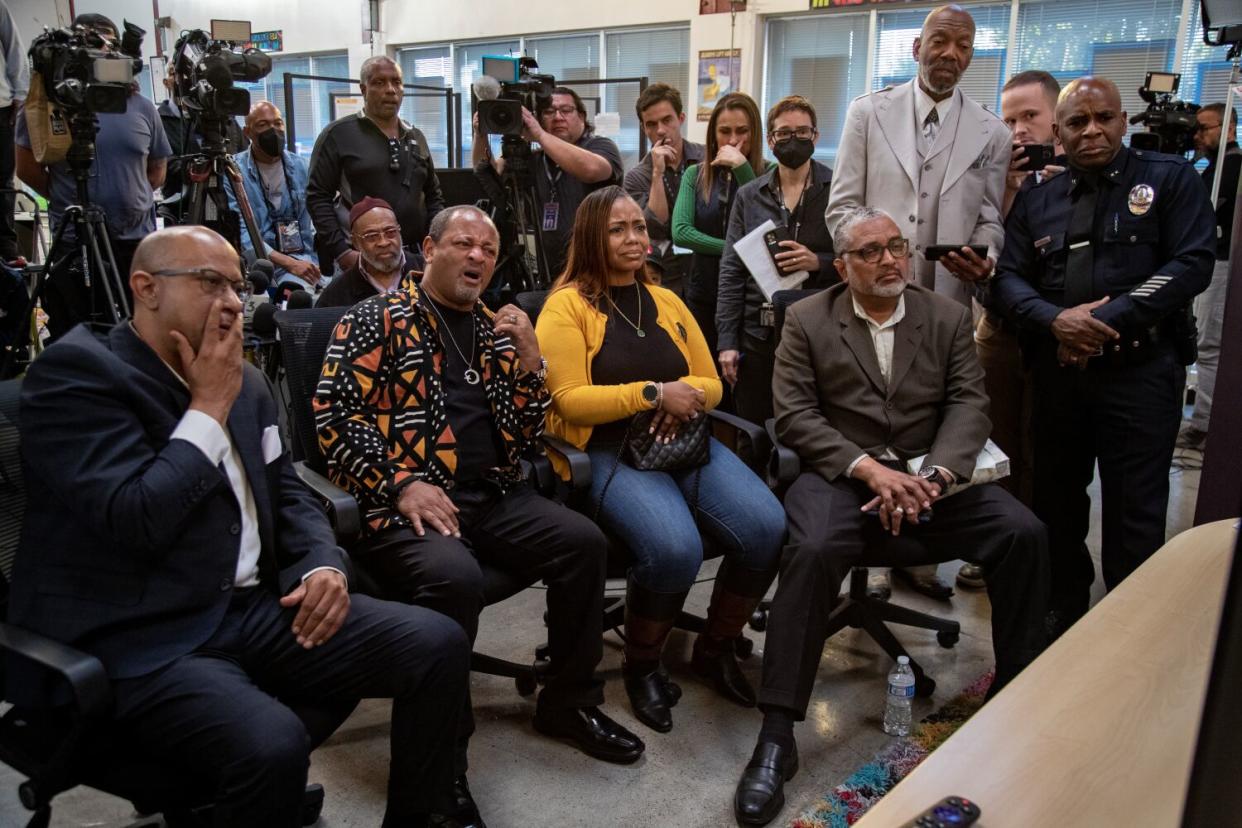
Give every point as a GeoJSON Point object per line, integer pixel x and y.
{"type": "Point", "coordinates": [701, 212]}
{"type": "Point", "coordinates": [793, 195]}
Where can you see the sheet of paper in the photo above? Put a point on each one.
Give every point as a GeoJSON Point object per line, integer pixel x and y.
{"type": "Point", "coordinates": [991, 465]}
{"type": "Point", "coordinates": [753, 252]}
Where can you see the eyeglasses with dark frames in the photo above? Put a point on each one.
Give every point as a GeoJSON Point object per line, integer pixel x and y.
{"type": "Point", "coordinates": [806, 133]}
{"type": "Point", "coordinates": [872, 253]}
{"type": "Point", "coordinates": [213, 282]}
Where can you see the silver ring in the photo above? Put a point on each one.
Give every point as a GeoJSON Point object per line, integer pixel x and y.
{"type": "Point", "coordinates": [899, 511]}
{"type": "Point", "coordinates": [512, 318]}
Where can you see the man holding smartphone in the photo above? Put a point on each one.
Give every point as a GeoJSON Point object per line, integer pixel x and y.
{"type": "Point", "coordinates": [1028, 107]}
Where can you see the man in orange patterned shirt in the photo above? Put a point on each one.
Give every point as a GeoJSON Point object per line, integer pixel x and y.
{"type": "Point", "coordinates": [425, 406]}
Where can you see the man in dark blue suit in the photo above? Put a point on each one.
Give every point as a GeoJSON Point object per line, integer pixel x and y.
{"type": "Point", "coordinates": [169, 535]}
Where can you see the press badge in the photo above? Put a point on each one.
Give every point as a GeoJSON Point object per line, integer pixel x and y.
{"type": "Point", "coordinates": [551, 212]}
{"type": "Point", "coordinates": [289, 235]}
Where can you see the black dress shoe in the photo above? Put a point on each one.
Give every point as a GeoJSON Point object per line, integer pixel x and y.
{"type": "Point", "coordinates": [588, 729]}
{"type": "Point", "coordinates": [465, 813]}
{"type": "Point", "coordinates": [723, 673]}
{"type": "Point", "coordinates": [649, 699]}
{"type": "Point", "coordinates": [672, 690]}
{"type": "Point", "coordinates": [760, 792]}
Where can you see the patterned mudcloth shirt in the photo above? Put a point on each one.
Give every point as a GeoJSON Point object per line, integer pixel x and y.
{"type": "Point", "coordinates": [380, 405]}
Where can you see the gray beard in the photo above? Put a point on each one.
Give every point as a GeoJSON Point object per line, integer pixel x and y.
{"type": "Point", "coordinates": [377, 265]}
{"type": "Point", "coordinates": [884, 291]}
{"type": "Point", "coordinates": [929, 86]}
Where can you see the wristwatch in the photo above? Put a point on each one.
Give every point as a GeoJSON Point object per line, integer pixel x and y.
{"type": "Point", "coordinates": [542, 373]}
{"type": "Point", "coordinates": [933, 475]}
{"type": "Point", "coordinates": [651, 393]}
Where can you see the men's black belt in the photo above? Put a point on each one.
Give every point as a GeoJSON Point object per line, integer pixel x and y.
{"type": "Point", "coordinates": [1133, 348]}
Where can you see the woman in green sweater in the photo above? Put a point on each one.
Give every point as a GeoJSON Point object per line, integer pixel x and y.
{"type": "Point", "coordinates": [701, 213]}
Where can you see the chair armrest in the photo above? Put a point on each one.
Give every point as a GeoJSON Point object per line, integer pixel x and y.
{"type": "Point", "coordinates": [784, 465]}
{"type": "Point", "coordinates": [85, 674]}
{"type": "Point", "coordinates": [579, 462]}
{"type": "Point", "coordinates": [343, 506]}
{"type": "Point", "coordinates": [751, 434]}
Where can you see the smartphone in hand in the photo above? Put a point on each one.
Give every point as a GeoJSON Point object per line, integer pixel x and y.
{"type": "Point", "coordinates": [934, 252]}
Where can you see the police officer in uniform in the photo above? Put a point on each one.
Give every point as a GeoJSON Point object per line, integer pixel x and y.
{"type": "Point", "coordinates": [1099, 267]}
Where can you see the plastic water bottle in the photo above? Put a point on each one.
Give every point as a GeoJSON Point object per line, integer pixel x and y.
{"type": "Point", "coordinates": [900, 694]}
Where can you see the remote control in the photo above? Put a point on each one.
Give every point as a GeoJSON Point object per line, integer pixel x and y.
{"type": "Point", "coordinates": [950, 812]}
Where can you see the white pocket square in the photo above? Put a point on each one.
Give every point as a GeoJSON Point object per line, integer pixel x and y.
{"type": "Point", "coordinates": [271, 444]}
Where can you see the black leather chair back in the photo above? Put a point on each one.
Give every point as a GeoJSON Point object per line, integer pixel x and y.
{"type": "Point", "coordinates": [531, 301]}
{"type": "Point", "coordinates": [12, 486]}
{"type": "Point", "coordinates": [304, 338]}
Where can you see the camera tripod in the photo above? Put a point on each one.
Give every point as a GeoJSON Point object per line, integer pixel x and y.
{"type": "Point", "coordinates": [88, 246]}
{"type": "Point", "coordinates": [517, 182]}
{"type": "Point", "coordinates": [209, 202]}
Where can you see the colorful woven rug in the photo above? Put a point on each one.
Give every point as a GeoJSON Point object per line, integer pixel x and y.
{"type": "Point", "coordinates": [847, 802]}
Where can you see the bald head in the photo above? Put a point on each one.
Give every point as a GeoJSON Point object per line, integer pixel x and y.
{"type": "Point", "coordinates": [1090, 122]}
{"type": "Point", "coordinates": [943, 49]}
{"type": "Point", "coordinates": [183, 246]}
{"type": "Point", "coordinates": [263, 112]}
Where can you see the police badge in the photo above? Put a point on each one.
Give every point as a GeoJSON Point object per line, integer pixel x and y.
{"type": "Point", "coordinates": [1141, 198]}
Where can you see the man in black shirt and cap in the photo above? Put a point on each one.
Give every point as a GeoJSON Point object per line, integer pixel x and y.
{"type": "Point", "coordinates": [380, 267]}
{"type": "Point", "coordinates": [372, 153]}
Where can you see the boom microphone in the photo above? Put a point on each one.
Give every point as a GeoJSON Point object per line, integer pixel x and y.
{"type": "Point", "coordinates": [300, 300]}
{"type": "Point", "coordinates": [260, 273]}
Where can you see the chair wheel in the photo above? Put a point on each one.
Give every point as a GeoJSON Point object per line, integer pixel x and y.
{"type": "Point", "coordinates": [924, 686]}
{"type": "Point", "coordinates": [947, 639]}
{"type": "Point", "coordinates": [744, 647]}
{"type": "Point", "coordinates": [759, 620]}
{"type": "Point", "coordinates": [526, 684]}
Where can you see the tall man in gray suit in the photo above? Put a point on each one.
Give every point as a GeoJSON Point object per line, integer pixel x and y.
{"type": "Point", "coordinates": [870, 374]}
{"type": "Point", "coordinates": [936, 161]}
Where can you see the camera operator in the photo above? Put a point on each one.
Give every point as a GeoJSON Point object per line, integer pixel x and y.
{"type": "Point", "coordinates": [655, 182]}
{"type": "Point", "coordinates": [185, 140]}
{"type": "Point", "coordinates": [571, 162]}
{"type": "Point", "coordinates": [373, 153]}
{"type": "Point", "coordinates": [131, 160]}
{"type": "Point", "coordinates": [14, 81]}
{"type": "Point", "coordinates": [1212, 304]}
{"type": "Point", "coordinates": [275, 182]}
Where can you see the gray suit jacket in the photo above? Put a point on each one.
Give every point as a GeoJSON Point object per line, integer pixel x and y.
{"type": "Point", "coordinates": [832, 403]}
{"type": "Point", "coordinates": [877, 166]}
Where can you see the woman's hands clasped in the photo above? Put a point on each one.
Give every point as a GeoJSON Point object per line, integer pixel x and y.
{"type": "Point", "coordinates": [680, 403]}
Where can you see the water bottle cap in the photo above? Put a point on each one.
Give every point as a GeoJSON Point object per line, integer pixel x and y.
{"type": "Point", "coordinates": [903, 659]}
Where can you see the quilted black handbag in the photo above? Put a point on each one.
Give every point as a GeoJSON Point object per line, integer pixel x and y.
{"type": "Point", "coordinates": [690, 448]}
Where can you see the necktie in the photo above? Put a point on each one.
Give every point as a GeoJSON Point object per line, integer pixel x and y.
{"type": "Point", "coordinates": [1080, 236]}
{"type": "Point", "coordinates": [931, 126]}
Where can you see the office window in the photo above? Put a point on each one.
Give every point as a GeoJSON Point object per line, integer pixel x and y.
{"type": "Point", "coordinates": [662, 56]}
{"type": "Point", "coordinates": [1121, 40]}
{"type": "Point", "coordinates": [311, 110]}
{"type": "Point", "coordinates": [424, 109]}
{"type": "Point", "coordinates": [822, 58]}
{"type": "Point", "coordinates": [1205, 73]}
{"type": "Point", "coordinates": [982, 81]}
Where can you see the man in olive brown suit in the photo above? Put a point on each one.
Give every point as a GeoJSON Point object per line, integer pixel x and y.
{"type": "Point", "coordinates": [870, 374]}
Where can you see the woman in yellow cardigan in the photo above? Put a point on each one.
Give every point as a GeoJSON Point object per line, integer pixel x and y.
{"type": "Point", "coordinates": [617, 345]}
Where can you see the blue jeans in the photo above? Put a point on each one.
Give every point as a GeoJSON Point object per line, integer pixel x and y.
{"type": "Point", "coordinates": [650, 512]}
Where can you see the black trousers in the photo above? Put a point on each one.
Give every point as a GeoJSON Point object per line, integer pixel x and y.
{"type": "Point", "coordinates": [221, 711]}
{"type": "Point", "coordinates": [8, 228]}
{"type": "Point", "coordinates": [519, 532]}
{"type": "Point", "coordinates": [753, 393]}
{"type": "Point", "coordinates": [1126, 419]}
{"type": "Point", "coordinates": [68, 300]}
{"type": "Point", "coordinates": [828, 534]}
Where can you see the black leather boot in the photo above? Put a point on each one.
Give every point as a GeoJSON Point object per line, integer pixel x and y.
{"type": "Point", "coordinates": [736, 593]}
{"type": "Point", "coordinates": [649, 618]}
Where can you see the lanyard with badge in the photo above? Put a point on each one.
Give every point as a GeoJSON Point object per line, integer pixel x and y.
{"type": "Point", "coordinates": [552, 208]}
{"type": "Point", "coordinates": [288, 231]}
{"type": "Point", "coordinates": [793, 222]}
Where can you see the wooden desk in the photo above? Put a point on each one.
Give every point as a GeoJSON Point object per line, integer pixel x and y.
{"type": "Point", "coordinates": [1100, 729]}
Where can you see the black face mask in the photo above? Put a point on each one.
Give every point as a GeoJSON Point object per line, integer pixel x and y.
{"type": "Point", "coordinates": [271, 142]}
{"type": "Point", "coordinates": [793, 152]}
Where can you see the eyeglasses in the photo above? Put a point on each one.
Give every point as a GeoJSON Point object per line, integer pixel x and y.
{"type": "Point", "coordinates": [563, 111]}
{"type": "Point", "coordinates": [1205, 127]}
{"type": "Point", "coordinates": [213, 282]}
{"type": "Point", "coordinates": [387, 233]}
{"type": "Point", "coordinates": [394, 155]}
{"type": "Point", "coordinates": [805, 133]}
{"type": "Point", "coordinates": [872, 253]}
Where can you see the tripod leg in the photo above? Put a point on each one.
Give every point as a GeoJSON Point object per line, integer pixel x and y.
{"type": "Point", "coordinates": [51, 265]}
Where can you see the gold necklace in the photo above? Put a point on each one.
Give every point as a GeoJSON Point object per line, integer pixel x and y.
{"type": "Point", "coordinates": [638, 329]}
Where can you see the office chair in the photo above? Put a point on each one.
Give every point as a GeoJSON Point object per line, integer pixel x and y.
{"type": "Point", "coordinates": [744, 438]}
{"type": "Point", "coordinates": [304, 337]}
{"type": "Point", "coordinates": [857, 610]}
{"type": "Point", "coordinates": [66, 739]}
